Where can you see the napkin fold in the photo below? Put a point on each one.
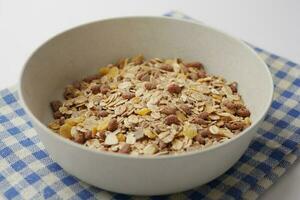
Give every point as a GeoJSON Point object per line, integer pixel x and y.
{"type": "Point", "coordinates": [27, 171]}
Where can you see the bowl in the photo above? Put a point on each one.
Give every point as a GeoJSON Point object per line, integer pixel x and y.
{"type": "Point", "coordinates": [80, 51]}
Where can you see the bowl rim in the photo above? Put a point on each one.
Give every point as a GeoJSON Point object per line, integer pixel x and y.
{"type": "Point", "coordinates": [143, 157]}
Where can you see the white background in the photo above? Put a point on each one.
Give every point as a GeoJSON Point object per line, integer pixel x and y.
{"type": "Point", "coordinates": [272, 25]}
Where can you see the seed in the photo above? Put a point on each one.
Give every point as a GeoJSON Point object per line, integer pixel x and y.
{"type": "Point", "coordinates": [150, 86]}
{"type": "Point", "coordinates": [128, 95]}
{"type": "Point", "coordinates": [55, 105]}
{"type": "Point", "coordinates": [169, 110]}
{"type": "Point", "coordinates": [174, 88]}
{"type": "Point", "coordinates": [172, 119]}
{"type": "Point", "coordinates": [113, 125]}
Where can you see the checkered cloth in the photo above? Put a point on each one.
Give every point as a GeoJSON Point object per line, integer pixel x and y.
{"type": "Point", "coordinates": [27, 171]}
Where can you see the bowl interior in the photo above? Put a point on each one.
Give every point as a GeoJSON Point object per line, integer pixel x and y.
{"type": "Point", "coordinates": [81, 51]}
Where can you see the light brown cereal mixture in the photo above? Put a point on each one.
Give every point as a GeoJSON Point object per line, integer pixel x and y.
{"type": "Point", "coordinates": [150, 107]}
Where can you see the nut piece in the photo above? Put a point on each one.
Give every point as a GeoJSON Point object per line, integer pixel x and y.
{"type": "Point", "coordinates": [169, 110]}
{"type": "Point", "coordinates": [102, 113]}
{"type": "Point", "coordinates": [203, 115]}
{"type": "Point", "coordinates": [201, 74]}
{"type": "Point", "coordinates": [128, 95]}
{"type": "Point", "coordinates": [197, 65]}
{"type": "Point", "coordinates": [174, 88]}
{"type": "Point", "coordinates": [113, 125]}
{"type": "Point", "coordinates": [233, 86]}
{"type": "Point", "coordinates": [172, 119]}
{"type": "Point", "coordinates": [167, 67]}
{"type": "Point", "coordinates": [234, 125]}
{"type": "Point", "coordinates": [126, 148]}
{"type": "Point", "coordinates": [243, 112]}
{"type": "Point", "coordinates": [199, 121]}
{"type": "Point", "coordinates": [57, 115]}
{"type": "Point", "coordinates": [186, 109]}
{"type": "Point", "coordinates": [96, 89]}
{"type": "Point", "coordinates": [150, 86]}
{"type": "Point", "coordinates": [104, 89]}
{"type": "Point", "coordinates": [204, 133]}
{"type": "Point", "coordinates": [55, 105]}
{"type": "Point", "coordinates": [200, 139]}
{"type": "Point", "coordinates": [79, 138]}
{"type": "Point", "coordinates": [89, 79]}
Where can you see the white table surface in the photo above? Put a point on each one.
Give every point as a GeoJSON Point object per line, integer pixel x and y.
{"type": "Point", "coordinates": [272, 25]}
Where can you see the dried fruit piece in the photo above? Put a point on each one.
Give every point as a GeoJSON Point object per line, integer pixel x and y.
{"type": "Point", "coordinates": [173, 88]}
{"type": "Point", "coordinates": [103, 124]}
{"type": "Point", "coordinates": [65, 131]}
{"type": "Point", "coordinates": [113, 72]}
{"type": "Point", "coordinates": [130, 139]}
{"type": "Point", "coordinates": [89, 79]}
{"type": "Point", "coordinates": [137, 60]}
{"type": "Point", "coordinates": [177, 144]}
{"type": "Point", "coordinates": [189, 130]}
{"type": "Point", "coordinates": [104, 70]}
{"type": "Point", "coordinates": [204, 133]}
{"type": "Point", "coordinates": [150, 149]}
{"type": "Point", "coordinates": [199, 121]}
{"type": "Point", "coordinates": [181, 116]}
{"type": "Point", "coordinates": [111, 139]}
{"type": "Point", "coordinates": [121, 137]}
{"type": "Point", "coordinates": [143, 111]}
{"type": "Point", "coordinates": [149, 133]}
{"type": "Point", "coordinates": [172, 119]}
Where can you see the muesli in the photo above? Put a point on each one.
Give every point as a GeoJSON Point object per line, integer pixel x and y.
{"type": "Point", "coordinates": [150, 107]}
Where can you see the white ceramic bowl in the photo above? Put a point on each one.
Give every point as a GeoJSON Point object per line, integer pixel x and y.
{"type": "Point", "coordinates": [80, 51]}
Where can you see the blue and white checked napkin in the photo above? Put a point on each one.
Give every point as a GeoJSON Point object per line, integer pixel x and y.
{"type": "Point", "coordinates": [27, 171]}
